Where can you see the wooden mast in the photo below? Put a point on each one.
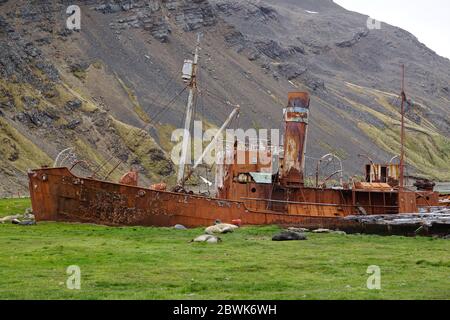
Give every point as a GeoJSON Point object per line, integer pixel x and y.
{"type": "Point", "coordinates": [402, 134]}
{"type": "Point", "coordinates": [188, 119]}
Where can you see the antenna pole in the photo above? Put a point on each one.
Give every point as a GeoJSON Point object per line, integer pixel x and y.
{"type": "Point", "coordinates": [402, 138]}
{"type": "Point", "coordinates": [188, 120]}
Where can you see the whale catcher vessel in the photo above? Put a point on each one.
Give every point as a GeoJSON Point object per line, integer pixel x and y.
{"type": "Point", "coordinates": [254, 191]}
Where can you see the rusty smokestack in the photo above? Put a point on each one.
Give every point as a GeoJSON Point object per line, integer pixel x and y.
{"type": "Point", "coordinates": [296, 122]}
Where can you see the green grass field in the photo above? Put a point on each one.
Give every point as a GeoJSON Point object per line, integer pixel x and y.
{"type": "Point", "coordinates": [160, 263]}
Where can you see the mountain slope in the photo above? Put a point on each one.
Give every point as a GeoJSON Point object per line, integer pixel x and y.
{"type": "Point", "coordinates": [95, 88]}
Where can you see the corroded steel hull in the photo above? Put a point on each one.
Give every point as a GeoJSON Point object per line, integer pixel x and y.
{"type": "Point", "coordinates": [58, 195]}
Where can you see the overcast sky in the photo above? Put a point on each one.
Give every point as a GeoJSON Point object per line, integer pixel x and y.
{"type": "Point", "coordinates": [427, 20]}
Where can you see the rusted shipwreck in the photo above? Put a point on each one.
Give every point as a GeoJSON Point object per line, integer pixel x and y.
{"type": "Point", "coordinates": [255, 193]}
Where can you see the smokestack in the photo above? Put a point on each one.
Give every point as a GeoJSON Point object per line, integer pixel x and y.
{"type": "Point", "coordinates": [296, 120]}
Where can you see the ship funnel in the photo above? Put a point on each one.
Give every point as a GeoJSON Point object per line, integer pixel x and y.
{"type": "Point", "coordinates": [296, 121]}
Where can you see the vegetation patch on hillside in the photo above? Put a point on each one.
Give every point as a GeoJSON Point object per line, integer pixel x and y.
{"type": "Point", "coordinates": [426, 148]}
{"type": "Point", "coordinates": [148, 153]}
{"type": "Point", "coordinates": [19, 151]}
{"type": "Point", "coordinates": [135, 101]}
{"type": "Point", "coordinates": [429, 153]}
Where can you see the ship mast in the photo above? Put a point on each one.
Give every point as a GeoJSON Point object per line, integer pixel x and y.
{"type": "Point", "coordinates": [189, 111]}
{"type": "Point", "coordinates": [402, 138]}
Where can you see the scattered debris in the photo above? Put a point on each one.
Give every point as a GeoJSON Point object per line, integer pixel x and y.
{"type": "Point", "coordinates": [289, 236]}
{"type": "Point", "coordinates": [438, 215]}
{"type": "Point", "coordinates": [207, 238]}
{"type": "Point", "coordinates": [179, 227]}
{"type": "Point", "coordinates": [424, 185]}
{"type": "Point", "coordinates": [291, 71]}
{"type": "Point", "coordinates": [354, 40]}
{"type": "Point", "coordinates": [339, 232]}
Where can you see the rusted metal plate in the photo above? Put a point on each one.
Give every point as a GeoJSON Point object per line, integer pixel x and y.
{"type": "Point", "coordinates": [407, 202]}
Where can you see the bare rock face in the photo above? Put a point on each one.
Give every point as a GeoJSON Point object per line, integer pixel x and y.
{"type": "Point", "coordinates": [164, 166]}
{"type": "Point", "coordinates": [192, 15]}
{"type": "Point", "coordinates": [291, 71]}
{"type": "Point", "coordinates": [153, 16]}
{"type": "Point", "coordinates": [250, 10]}
{"type": "Point", "coordinates": [253, 53]}
{"type": "Point", "coordinates": [37, 118]}
{"type": "Point", "coordinates": [17, 54]}
{"type": "Point", "coordinates": [274, 50]}
{"type": "Point", "coordinates": [354, 40]}
{"type": "Point", "coordinates": [10, 148]}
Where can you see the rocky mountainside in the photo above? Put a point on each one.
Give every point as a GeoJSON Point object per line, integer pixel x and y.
{"type": "Point", "coordinates": [95, 89]}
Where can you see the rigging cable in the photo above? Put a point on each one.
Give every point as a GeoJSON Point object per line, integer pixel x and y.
{"type": "Point", "coordinates": [144, 130]}
{"type": "Point", "coordinates": [157, 100]}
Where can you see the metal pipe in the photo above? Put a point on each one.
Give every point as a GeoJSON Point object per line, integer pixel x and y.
{"type": "Point", "coordinates": [341, 178]}
{"type": "Point", "coordinates": [330, 176]}
{"type": "Point", "coordinates": [392, 159]}
{"type": "Point", "coordinates": [60, 154]}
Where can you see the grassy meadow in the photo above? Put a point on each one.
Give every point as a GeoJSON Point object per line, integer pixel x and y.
{"type": "Point", "coordinates": [161, 263]}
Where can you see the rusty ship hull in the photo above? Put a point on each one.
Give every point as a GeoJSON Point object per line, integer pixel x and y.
{"type": "Point", "coordinates": [58, 195]}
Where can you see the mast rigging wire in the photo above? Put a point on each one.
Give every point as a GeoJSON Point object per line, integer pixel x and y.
{"type": "Point", "coordinates": [152, 121]}
{"type": "Point", "coordinates": [157, 100]}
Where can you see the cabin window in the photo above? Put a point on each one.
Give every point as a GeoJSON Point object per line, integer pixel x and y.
{"type": "Point", "coordinates": [383, 174]}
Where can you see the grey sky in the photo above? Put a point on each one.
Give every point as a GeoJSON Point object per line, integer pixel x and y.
{"type": "Point", "coordinates": [427, 20]}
